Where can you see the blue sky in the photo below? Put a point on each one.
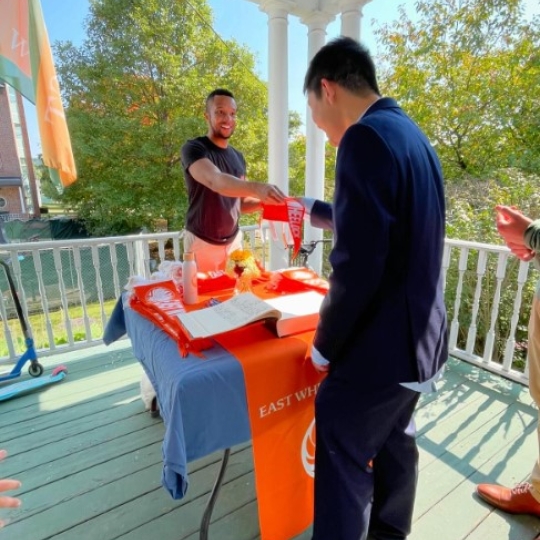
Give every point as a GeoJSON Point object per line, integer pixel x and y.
{"type": "Point", "coordinates": [238, 19]}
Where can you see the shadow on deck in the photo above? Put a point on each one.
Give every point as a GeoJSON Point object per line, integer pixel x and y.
{"type": "Point", "coordinates": [89, 458]}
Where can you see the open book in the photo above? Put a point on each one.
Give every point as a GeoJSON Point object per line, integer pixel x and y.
{"type": "Point", "coordinates": [288, 314]}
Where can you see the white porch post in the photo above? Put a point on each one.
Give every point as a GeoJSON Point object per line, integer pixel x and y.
{"type": "Point", "coordinates": [278, 109]}
{"type": "Point", "coordinates": [351, 17]}
{"type": "Point", "coordinates": [315, 138]}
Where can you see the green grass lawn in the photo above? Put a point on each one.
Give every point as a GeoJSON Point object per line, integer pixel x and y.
{"type": "Point", "coordinates": [38, 326]}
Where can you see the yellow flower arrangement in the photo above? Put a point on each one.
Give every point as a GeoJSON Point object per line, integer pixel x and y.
{"type": "Point", "coordinates": [242, 264]}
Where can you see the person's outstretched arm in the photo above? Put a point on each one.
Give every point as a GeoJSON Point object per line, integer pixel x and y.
{"type": "Point", "coordinates": [206, 173]}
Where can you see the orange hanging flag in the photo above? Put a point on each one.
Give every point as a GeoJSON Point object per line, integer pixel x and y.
{"type": "Point", "coordinates": [26, 64]}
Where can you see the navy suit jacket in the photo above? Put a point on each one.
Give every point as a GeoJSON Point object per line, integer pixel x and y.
{"type": "Point", "coordinates": [384, 320]}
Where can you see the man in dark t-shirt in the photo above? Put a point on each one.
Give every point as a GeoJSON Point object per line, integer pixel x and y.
{"type": "Point", "coordinates": [217, 188]}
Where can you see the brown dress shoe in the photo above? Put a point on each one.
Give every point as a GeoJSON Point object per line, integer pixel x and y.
{"type": "Point", "coordinates": [517, 500]}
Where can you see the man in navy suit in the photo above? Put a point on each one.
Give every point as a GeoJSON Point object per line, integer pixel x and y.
{"type": "Point", "coordinates": [382, 334]}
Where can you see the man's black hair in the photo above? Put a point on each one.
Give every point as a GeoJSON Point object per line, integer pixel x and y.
{"type": "Point", "coordinates": [345, 62]}
{"type": "Point", "coordinates": [218, 92]}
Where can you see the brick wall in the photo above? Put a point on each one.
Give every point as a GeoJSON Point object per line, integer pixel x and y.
{"type": "Point", "coordinates": [9, 160]}
{"type": "Point", "coordinates": [11, 195]}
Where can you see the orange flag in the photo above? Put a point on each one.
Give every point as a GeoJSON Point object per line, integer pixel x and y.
{"type": "Point", "coordinates": [26, 64]}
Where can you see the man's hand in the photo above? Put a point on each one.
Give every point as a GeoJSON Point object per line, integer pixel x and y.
{"type": "Point", "coordinates": [320, 363]}
{"type": "Point", "coordinates": [267, 193]}
{"type": "Point", "coordinates": [512, 224]}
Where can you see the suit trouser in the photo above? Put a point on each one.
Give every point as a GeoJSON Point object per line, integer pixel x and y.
{"type": "Point", "coordinates": [534, 382]}
{"type": "Point", "coordinates": [354, 427]}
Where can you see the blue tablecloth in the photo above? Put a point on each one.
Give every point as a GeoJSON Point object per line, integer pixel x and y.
{"type": "Point", "coordinates": [202, 401]}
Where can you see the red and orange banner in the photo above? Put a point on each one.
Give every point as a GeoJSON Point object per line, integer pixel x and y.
{"type": "Point", "coordinates": [291, 213]}
{"type": "Point", "coordinates": [26, 64]}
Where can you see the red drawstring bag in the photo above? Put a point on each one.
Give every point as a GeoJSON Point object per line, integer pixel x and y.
{"type": "Point", "coordinates": [293, 280]}
{"type": "Point", "coordinates": [208, 282]}
{"type": "Point", "coordinates": [160, 302]}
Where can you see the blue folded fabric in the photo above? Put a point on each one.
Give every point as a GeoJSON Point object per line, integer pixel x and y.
{"type": "Point", "coordinates": [202, 401]}
{"type": "Point", "coordinates": [116, 325]}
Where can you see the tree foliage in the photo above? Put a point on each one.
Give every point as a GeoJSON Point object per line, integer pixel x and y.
{"type": "Point", "coordinates": [297, 161]}
{"type": "Point", "coordinates": [468, 72]}
{"type": "Point", "coordinates": [134, 93]}
{"type": "Point", "coordinates": [48, 188]}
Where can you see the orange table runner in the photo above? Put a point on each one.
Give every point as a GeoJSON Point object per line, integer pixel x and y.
{"type": "Point", "coordinates": [281, 385]}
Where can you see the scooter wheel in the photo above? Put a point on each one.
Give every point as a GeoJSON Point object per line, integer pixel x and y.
{"type": "Point", "coordinates": [35, 369]}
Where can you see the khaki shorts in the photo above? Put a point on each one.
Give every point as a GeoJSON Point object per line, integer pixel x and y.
{"type": "Point", "coordinates": [209, 257]}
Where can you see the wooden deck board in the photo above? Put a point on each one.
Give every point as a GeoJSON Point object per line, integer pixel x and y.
{"type": "Point", "coordinates": [89, 458]}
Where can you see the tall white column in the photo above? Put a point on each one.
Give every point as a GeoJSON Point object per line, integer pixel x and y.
{"type": "Point", "coordinates": [351, 17]}
{"type": "Point", "coordinates": [278, 109]}
{"type": "Point", "coordinates": [315, 138]}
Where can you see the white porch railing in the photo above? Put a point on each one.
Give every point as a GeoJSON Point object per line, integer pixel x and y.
{"type": "Point", "coordinates": [488, 296]}
{"type": "Point", "coordinates": [68, 289]}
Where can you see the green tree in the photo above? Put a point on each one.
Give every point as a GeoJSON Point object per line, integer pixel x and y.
{"type": "Point", "coordinates": [468, 71]}
{"type": "Point", "coordinates": [297, 161]}
{"type": "Point", "coordinates": [134, 93]}
{"type": "Point", "coordinates": [48, 188]}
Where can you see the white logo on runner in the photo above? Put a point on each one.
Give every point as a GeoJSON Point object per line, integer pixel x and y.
{"type": "Point", "coordinates": [308, 450]}
{"type": "Point", "coordinates": [160, 295]}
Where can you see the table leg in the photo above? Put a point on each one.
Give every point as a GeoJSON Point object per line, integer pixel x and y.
{"type": "Point", "coordinates": [205, 522]}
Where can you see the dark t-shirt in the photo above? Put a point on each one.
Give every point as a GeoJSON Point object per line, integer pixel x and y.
{"type": "Point", "coordinates": [211, 216]}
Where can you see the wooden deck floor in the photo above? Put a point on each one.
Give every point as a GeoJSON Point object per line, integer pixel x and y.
{"type": "Point", "coordinates": [89, 458]}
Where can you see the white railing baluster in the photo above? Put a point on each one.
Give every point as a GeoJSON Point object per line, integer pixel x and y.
{"type": "Point", "coordinates": [511, 341]}
{"type": "Point", "coordinates": [130, 253]}
{"type": "Point", "coordinates": [490, 337]}
{"type": "Point", "coordinates": [38, 267]}
{"type": "Point", "coordinates": [82, 292]}
{"type": "Point", "coordinates": [57, 257]}
{"type": "Point", "coordinates": [480, 273]}
{"type": "Point", "coordinates": [114, 264]}
{"type": "Point", "coordinates": [145, 247]}
{"type": "Point", "coordinates": [99, 284]}
{"type": "Point", "coordinates": [142, 266]}
{"type": "Point", "coordinates": [445, 263]}
{"type": "Point", "coordinates": [176, 246]}
{"type": "Point", "coordinates": [161, 250]}
{"type": "Point", "coordinates": [462, 268]}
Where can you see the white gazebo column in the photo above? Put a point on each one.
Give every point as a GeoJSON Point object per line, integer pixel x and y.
{"type": "Point", "coordinates": [351, 17]}
{"type": "Point", "coordinates": [278, 110]}
{"type": "Point", "coordinates": [315, 138]}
